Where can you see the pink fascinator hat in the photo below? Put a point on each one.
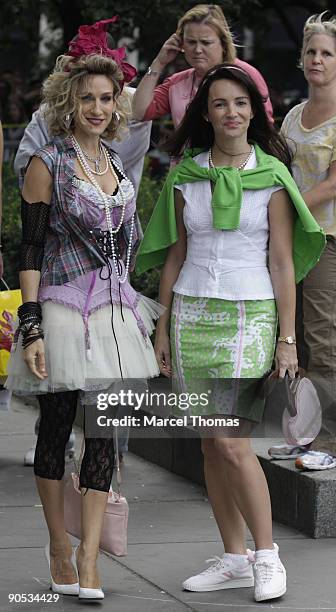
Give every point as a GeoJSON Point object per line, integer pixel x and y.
{"type": "Point", "coordinates": [93, 39]}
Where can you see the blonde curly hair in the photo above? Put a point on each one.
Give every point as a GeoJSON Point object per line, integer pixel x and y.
{"type": "Point", "coordinates": [61, 93]}
{"type": "Point", "coordinates": [316, 24]}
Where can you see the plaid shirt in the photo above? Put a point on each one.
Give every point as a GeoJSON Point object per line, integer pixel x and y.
{"type": "Point", "coordinates": [70, 249]}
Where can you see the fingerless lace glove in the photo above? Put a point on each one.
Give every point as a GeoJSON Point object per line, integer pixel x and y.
{"type": "Point", "coordinates": [35, 220]}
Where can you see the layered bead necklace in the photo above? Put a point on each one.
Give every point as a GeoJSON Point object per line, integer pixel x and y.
{"type": "Point", "coordinates": [96, 161]}
{"type": "Point", "coordinates": [241, 167]}
{"type": "Point", "coordinates": [105, 199]}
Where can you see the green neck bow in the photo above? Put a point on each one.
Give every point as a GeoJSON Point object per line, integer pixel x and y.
{"type": "Point", "coordinates": [229, 183]}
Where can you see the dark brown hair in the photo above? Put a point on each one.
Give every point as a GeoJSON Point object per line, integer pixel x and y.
{"type": "Point", "coordinates": [195, 131]}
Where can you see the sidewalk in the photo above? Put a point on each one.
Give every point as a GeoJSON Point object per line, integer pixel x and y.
{"type": "Point", "coordinates": [171, 533]}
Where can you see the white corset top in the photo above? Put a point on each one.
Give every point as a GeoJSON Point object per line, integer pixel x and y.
{"type": "Point", "coordinates": [227, 264]}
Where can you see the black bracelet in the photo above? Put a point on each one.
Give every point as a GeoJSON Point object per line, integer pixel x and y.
{"type": "Point", "coordinates": [27, 328]}
{"type": "Point", "coordinates": [29, 313]}
{"type": "Point", "coordinates": [29, 308]}
{"type": "Point", "coordinates": [28, 340]}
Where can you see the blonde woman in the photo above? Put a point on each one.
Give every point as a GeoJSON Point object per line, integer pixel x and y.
{"type": "Point", "coordinates": [310, 130]}
{"type": "Point", "coordinates": [80, 321]}
{"type": "Point", "coordinates": [203, 35]}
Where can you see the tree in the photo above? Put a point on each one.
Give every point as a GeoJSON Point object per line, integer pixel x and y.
{"type": "Point", "coordinates": [152, 20]}
{"type": "Point", "coordinates": [156, 19]}
{"type": "Point", "coordinates": [149, 22]}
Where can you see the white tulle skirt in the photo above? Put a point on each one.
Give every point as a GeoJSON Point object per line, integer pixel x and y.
{"type": "Point", "coordinates": [69, 363]}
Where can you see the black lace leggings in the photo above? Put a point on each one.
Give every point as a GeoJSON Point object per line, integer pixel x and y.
{"type": "Point", "coordinates": [58, 411]}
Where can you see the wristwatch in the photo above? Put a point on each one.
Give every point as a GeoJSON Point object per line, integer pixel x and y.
{"type": "Point", "coordinates": [153, 72]}
{"type": "Point", "coordinates": [287, 339]}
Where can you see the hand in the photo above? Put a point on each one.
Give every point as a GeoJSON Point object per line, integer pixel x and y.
{"type": "Point", "coordinates": [162, 353]}
{"type": "Point", "coordinates": [34, 357]}
{"type": "Point", "coordinates": [286, 359]}
{"type": "Point", "coordinates": [169, 50]}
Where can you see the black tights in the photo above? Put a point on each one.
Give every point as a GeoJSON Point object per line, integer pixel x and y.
{"type": "Point", "coordinates": [58, 411]}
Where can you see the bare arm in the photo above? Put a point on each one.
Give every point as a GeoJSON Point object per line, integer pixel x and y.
{"type": "Point", "coordinates": [145, 90]}
{"type": "Point", "coordinates": [37, 189]}
{"type": "Point", "coordinates": [171, 269]}
{"type": "Point", "coordinates": [283, 277]}
{"type": "Point", "coordinates": [323, 191]}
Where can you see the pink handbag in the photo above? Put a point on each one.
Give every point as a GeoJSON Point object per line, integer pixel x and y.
{"type": "Point", "coordinates": [302, 414]}
{"type": "Point", "coordinates": [113, 537]}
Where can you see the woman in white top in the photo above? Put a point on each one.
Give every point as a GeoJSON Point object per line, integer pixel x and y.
{"type": "Point", "coordinates": [229, 286]}
{"type": "Point", "coordinates": [310, 131]}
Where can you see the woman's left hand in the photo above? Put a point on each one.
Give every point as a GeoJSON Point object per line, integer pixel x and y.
{"type": "Point", "coordinates": [286, 359]}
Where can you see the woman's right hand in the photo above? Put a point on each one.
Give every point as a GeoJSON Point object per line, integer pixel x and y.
{"type": "Point", "coordinates": [34, 357]}
{"type": "Point", "coordinates": [162, 353]}
{"type": "Point", "coordinates": [168, 51]}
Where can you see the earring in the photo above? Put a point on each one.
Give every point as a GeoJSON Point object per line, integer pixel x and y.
{"type": "Point", "coordinates": [116, 116]}
{"type": "Point", "coordinates": [67, 121]}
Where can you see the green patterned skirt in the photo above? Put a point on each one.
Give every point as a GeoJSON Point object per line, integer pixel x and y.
{"type": "Point", "coordinates": [227, 345]}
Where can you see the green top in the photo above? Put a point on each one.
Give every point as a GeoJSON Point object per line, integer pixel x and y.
{"type": "Point", "coordinates": [229, 183]}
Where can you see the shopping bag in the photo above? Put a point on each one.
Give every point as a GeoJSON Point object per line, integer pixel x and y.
{"type": "Point", "coordinates": [113, 537]}
{"type": "Point", "coordinates": [10, 300]}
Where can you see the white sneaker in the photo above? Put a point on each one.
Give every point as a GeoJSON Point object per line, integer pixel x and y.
{"type": "Point", "coordinates": [29, 456]}
{"type": "Point", "coordinates": [269, 576]}
{"type": "Point", "coordinates": [315, 460]}
{"type": "Point", "coordinates": [225, 573]}
{"type": "Point", "coordinates": [286, 451]}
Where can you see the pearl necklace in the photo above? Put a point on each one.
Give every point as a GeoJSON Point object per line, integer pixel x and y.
{"type": "Point", "coordinates": [241, 167]}
{"type": "Point", "coordinates": [89, 173]}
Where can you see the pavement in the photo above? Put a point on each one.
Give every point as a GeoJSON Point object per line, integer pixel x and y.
{"type": "Point", "coordinates": [171, 533]}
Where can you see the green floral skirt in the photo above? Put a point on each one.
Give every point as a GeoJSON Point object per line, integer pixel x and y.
{"type": "Point", "coordinates": [226, 345]}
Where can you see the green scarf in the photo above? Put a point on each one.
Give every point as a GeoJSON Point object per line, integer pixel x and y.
{"type": "Point", "coordinates": [229, 183]}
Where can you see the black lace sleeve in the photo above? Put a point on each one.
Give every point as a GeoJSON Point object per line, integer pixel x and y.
{"type": "Point", "coordinates": [35, 218]}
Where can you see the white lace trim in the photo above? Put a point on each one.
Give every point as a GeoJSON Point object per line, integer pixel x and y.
{"type": "Point", "coordinates": [113, 200]}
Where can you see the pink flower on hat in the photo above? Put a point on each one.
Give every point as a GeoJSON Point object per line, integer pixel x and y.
{"type": "Point", "coordinates": [93, 39]}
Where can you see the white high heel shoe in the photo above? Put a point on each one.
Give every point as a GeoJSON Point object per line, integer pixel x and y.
{"type": "Point", "coordinates": [87, 592]}
{"type": "Point", "coordinates": [93, 594]}
{"type": "Point", "coordinates": [63, 589]}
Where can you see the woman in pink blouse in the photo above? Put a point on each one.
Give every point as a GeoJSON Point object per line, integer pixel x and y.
{"type": "Point", "coordinates": [204, 36]}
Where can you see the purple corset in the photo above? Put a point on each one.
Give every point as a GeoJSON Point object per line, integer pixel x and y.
{"type": "Point", "coordinates": [90, 292]}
